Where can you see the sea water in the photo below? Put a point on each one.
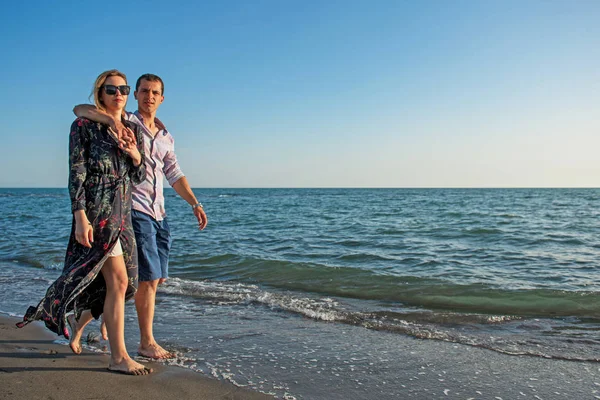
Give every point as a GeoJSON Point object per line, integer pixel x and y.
{"type": "Point", "coordinates": [293, 291]}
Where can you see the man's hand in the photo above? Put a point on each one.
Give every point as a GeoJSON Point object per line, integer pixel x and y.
{"type": "Point", "coordinates": [201, 217]}
{"type": "Point", "coordinates": [182, 187]}
{"type": "Point", "coordinates": [117, 129]}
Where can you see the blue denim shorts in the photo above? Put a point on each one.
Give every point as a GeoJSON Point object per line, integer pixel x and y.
{"type": "Point", "coordinates": [153, 245]}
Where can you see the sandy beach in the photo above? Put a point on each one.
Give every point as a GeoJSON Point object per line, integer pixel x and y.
{"type": "Point", "coordinates": [32, 366]}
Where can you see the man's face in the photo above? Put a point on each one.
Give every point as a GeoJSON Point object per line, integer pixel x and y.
{"type": "Point", "coordinates": [149, 96]}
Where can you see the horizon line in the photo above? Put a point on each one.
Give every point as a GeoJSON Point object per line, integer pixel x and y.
{"type": "Point", "coordinates": [340, 187]}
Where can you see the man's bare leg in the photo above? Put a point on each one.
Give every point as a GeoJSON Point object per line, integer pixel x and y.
{"type": "Point", "coordinates": [144, 303]}
{"type": "Point", "coordinates": [103, 331]}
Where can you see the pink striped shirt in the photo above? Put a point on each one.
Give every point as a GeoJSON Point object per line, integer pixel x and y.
{"type": "Point", "coordinates": [161, 162]}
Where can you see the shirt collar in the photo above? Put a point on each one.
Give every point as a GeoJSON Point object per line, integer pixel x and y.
{"type": "Point", "coordinates": [158, 122]}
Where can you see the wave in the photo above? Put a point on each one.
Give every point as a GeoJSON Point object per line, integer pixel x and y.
{"type": "Point", "coordinates": [42, 195]}
{"type": "Point", "coordinates": [430, 286]}
{"type": "Point", "coordinates": [454, 327]}
{"type": "Point", "coordinates": [425, 291]}
{"type": "Point", "coordinates": [483, 231]}
{"type": "Point", "coordinates": [33, 260]}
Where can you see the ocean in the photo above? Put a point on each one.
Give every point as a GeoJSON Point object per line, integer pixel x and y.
{"type": "Point", "coordinates": [327, 293]}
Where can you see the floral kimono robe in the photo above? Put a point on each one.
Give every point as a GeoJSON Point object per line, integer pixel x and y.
{"type": "Point", "coordinates": [100, 183]}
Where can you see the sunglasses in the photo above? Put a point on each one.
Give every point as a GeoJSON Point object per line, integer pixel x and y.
{"type": "Point", "coordinates": [111, 90]}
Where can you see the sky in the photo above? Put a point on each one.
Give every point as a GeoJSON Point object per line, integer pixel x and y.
{"type": "Point", "coordinates": [326, 93]}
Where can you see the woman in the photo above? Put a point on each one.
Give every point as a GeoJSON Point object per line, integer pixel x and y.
{"type": "Point", "coordinates": [100, 271]}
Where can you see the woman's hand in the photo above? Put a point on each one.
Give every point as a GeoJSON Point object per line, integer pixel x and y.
{"type": "Point", "coordinates": [128, 144]}
{"type": "Point", "coordinates": [84, 233]}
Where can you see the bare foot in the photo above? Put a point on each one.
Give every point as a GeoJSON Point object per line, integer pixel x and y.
{"type": "Point", "coordinates": [75, 339]}
{"type": "Point", "coordinates": [155, 351]}
{"type": "Point", "coordinates": [129, 367]}
{"type": "Point", "coordinates": [103, 331]}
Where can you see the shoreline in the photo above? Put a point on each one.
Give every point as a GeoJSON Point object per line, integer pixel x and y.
{"type": "Point", "coordinates": [34, 367]}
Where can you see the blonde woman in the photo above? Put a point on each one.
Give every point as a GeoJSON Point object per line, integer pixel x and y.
{"type": "Point", "coordinates": [100, 270]}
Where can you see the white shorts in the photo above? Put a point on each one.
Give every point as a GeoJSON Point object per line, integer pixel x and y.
{"type": "Point", "coordinates": [117, 250]}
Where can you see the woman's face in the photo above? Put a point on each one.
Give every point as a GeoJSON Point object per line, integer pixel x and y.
{"type": "Point", "coordinates": [115, 102]}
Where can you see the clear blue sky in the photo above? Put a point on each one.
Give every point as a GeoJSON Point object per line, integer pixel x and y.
{"type": "Point", "coordinates": [320, 93]}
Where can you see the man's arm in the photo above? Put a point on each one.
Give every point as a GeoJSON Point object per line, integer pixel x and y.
{"type": "Point", "coordinates": [184, 190]}
{"type": "Point", "coordinates": [90, 112]}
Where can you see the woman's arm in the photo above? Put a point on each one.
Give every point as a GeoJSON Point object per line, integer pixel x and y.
{"type": "Point", "coordinates": [138, 168]}
{"type": "Point", "coordinates": [78, 166]}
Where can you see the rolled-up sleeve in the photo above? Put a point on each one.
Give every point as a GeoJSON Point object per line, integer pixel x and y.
{"type": "Point", "coordinates": [171, 167]}
{"type": "Point", "coordinates": [77, 164]}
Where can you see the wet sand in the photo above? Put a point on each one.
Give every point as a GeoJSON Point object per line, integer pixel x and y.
{"type": "Point", "coordinates": [33, 367]}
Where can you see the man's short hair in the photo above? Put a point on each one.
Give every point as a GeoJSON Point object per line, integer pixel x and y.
{"type": "Point", "coordinates": [151, 78]}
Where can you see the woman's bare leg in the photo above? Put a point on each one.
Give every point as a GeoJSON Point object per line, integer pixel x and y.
{"type": "Point", "coordinates": [115, 275]}
{"type": "Point", "coordinates": [77, 329]}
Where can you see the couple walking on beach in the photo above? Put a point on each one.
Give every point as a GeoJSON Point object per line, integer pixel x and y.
{"type": "Point", "coordinates": [120, 240]}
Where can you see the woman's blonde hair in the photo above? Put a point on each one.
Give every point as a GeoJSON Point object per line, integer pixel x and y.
{"type": "Point", "coordinates": [100, 82]}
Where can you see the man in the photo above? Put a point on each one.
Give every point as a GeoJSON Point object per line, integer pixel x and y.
{"type": "Point", "coordinates": [148, 212]}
